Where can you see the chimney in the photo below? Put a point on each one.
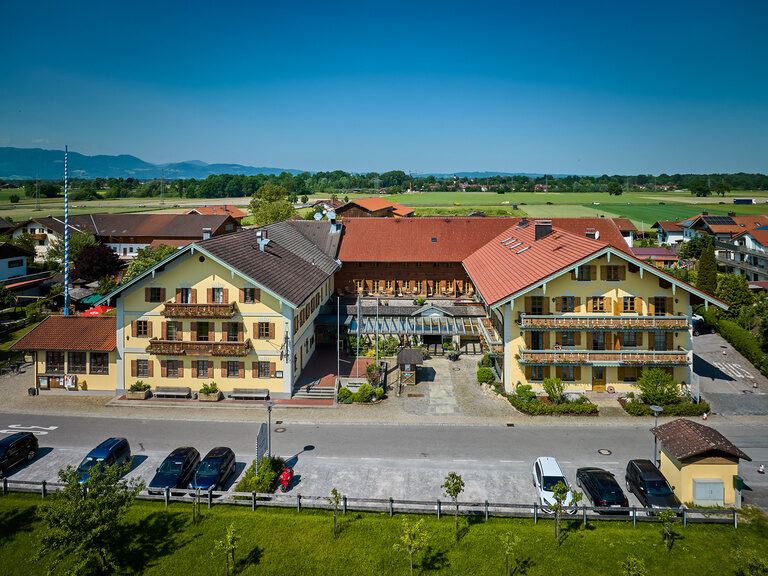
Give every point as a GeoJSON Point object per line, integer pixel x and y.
{"type": "Point", "coordinates": [543, 228]}
{"type": "Point", "coordinates": [261, 238]}
{"type": "Point", "coordinates": [731, 214]}
{"type": "Point", "coordinates": [206, 233]}
{"type": "Point", "coordinates": [705, 213]}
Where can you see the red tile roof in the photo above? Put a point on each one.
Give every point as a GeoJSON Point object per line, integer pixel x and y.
{"type": "Point", "coordinates": [624, 224]}
{"type": "Point", "coordinates": [375, 204]}
{"type": "Point", "coordinates": [654, 253]}
{"type": "Point", "coordinates": [514, 260]}
{"type": "Point", "coordinates": [608, 231]}
{"type": "Point", "coordinates": [760, 236]}
{"type": "Point", "coordinates": [225, 209]}
{"type": "Point", "coordinates": [411, 239]}
{"type": "Point", "coordinates": [95, 333]}
{"type": "Point", "coordinates": [740, 223]}
{"type": "Point", "coordinates": [668, 226]}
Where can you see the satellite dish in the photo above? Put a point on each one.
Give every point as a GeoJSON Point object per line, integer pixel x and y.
{"type": "Point", "coordinates": [318, 216]}
{"type": "Point", "coordinates": [331, 215]}
{"type": "Point", "coordinates": [597, 234]}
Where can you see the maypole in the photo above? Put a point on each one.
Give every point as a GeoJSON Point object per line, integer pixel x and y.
{"type": "Point", "coordinates": [66, 236]}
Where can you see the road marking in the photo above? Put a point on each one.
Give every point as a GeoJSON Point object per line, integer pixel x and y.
{"type": "Point", "coordinates": [36, 430]}
{"type": "Point", "coordinates": [371, 458]}
{"type": "Point", "coordinates": [733, 370]}
{"type": "Point", "coordinates": [512, 461]}
{"type": "Point", "coordinates": [468, 460]}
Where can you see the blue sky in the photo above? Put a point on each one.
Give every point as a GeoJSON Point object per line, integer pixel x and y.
{"type": "Point", "coordinates": [585, 87]}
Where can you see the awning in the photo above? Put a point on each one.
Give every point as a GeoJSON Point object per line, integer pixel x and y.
{"type": "Point", "coordinates": [92, 299]}
{"type": "Point", "coordinates": [440, 325]}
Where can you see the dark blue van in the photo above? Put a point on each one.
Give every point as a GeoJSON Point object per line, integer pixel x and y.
{"type": "Point", "coordinates": [111, 452]}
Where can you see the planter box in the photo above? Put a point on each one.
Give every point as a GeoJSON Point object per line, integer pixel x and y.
{"type": "Point", "coordinates": [209, 397]}
{"type": "Point", "coordinates": [143, 395]}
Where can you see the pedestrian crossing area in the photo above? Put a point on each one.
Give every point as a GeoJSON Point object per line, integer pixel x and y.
{"type": "Point", "coordinates": [733, 370]}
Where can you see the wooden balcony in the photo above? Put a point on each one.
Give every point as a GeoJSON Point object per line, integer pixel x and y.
{"type": "Point", "coordinates": [604, 357]}
{"type": "Point", "coordinates": [182, 348]}
{"type": "Point", "coordinates": [175, 310]}
{"type": "Point", "coordinates": [596, 323]}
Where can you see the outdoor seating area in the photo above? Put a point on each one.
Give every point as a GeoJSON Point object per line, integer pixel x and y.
{"type": "Point", "coordinates": [172, 392]}
{"type": "Point", "coordinates": [249, 394]}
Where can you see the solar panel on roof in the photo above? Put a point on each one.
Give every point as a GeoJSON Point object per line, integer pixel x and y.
{"type": "Point", "coordinates": [719, 220]}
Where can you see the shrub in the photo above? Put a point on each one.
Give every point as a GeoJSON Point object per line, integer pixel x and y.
{"type": "Point", "coordinates": [635, 408]}
{"type": "Point", "coordinates": [373, 373]}
{"type": "Point", "coordinates": [138, 386]}
{"type": "Point", "coordinates": [419, 301]}
{"type": "Point", "coordinates": [344, 394]}
{"type": "Point", "coordinates": [363, 394]}
{"type": "Point", "coordinates": [453, 355]}
{"type": "Point", "coordinates": [525, 392]}
{"type": "Point", "coordinates": [555, 390]}
{"type": "Point", "coordinates": [658, 387]}
{"type": "Point", "coordinates": [485, 375]}
{"type": "Point", "coordinates": [379, 393]}
{"type": "Point", "coordinates": [262, 476]}
{"type": "Point", "coordinates": [14, 198]}
{"type": "Point", "coordinates": [486, 361]}
{"type": "Point", "coordinates": [209, 388]}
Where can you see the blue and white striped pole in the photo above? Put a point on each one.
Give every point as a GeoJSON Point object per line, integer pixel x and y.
{"type": "Point", "coordinates": [66, 236]}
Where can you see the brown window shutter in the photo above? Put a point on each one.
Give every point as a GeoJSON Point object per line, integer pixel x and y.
{"type": "Point", "coordinates": [149, 328]}
{"type": "Point", "coordinates": [590, 304]}
{"type": "Point", "coordinates": [147, 292]}
{"type": "Point", "coordinates": [639, 339]}
{"type": "Point", "coordinates": [651, 307]}
{"type": "Point", "coordinates": [547, 371]}
{"type": "Point", "coordinates": [622, 273]}
{"type": "Point", "coordinates": [577, 339]}
{"type": "Point", "coordinates": [209, 295]}
{"type": "Point", "coordinates": [545, 340]}
{"type": "Point", "coordinates": [134, 370]}
{"type": "Point", "coordinates": [528, 305]}
{"type": "Point", "coordinates": [254, 369]}
{"type": "Point", "coordinates": [210, 369]}
{"type": "Point", "coordinates": [272, 370]}
{"type": "Point", "coordinates": [162, 294]}
{"type": "Point", "coordinates": [608, 338]}
{"type": "Point", "coordinates": [589, 341]}
{"type": "Point", "coordinates": [178, 295]}
{"type": "Point", "coordinates": [241, 369]}
{"type": "Point", "coordinates": [223, 369]}
{"type": "Point", "coordinates": [670, 341]}
{"type": "Point", "coordinates": [193, 295]}
{"type": "Point", "coordinates": [163, 368]}
{"type": "Point", "coordinates": [133, 329]}
{"type": "Point", "coordinates": [577, 372]}
{"type": "Point", "coordinates": [181, 368]}
{"type": "Point", "coordinates": [163, 330]}
{"type": "Point", "coordinates": [559, 372]}
{"type": "Point", "coordinates": [241, 297]}
{"type": "Point", "coordinates": [603, 272]}
{"type": "Point", "coordinates": [271, 330]}
{"type": "Point", "coordinates": [240, 332]}
{"type": "Point", "coordinates": [257, 292]}
{"type": "Point", "coordinates": [670, 306]}
{"type": "Point", "coordinates": [193, 331]}
{"type": "Point", "coordinates": [225, 295]}
{"type": "Point", "coordinates": [256, 330]}
{"type": "Point", "coordinates": [593, 272]}
{"type": "Point", "coordinates": [545, 304]}
{"type": "Point", "coordinates": [527, 338]}
{"type": "Point", "coordinates": [639, 306]}
{"type": "Point", "coordinates": [528, 373]}
{"type": "Point", "coordinates": [150, 367]}
{"type": "Point", "coordinates": [558, 304]}
{"type": "Point", "coordinates": [608, 305]}
{"type": "Point", "coordinates": [621, 340]}
{"type": "Point", "coordinates": [573, 274]}
{"type": "Point", "coordinates": [620, 371]}
{"type": "Point", "coordinates": [577, 304]}
{"type": "Point", "coordinates": [558, 337]}
{"type": "Point", "coordinates": [651, 341]}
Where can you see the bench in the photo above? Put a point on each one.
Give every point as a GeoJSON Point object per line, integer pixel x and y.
{"type": "Point", "coordinates": [171, 391]}
{"type": "Point", "coordinates": [250, 393]}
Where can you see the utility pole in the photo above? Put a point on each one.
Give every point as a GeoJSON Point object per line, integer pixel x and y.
{"type": "Point", "coordinates": [37, 192]}
{"type": "Point", "coordinates": [162, 186]}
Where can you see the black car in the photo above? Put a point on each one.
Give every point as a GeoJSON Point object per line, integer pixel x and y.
{"type": "Point", "coordinates": [17, 449]}
{"type": "Point", "coordinates": [214, 470]}
{"type": "Point", "coordinates": [647, 482]}
{"type": "Point", "coordinates": [703, 327]}
{"type": "Point", "coordinates": [176, 470]}
{"type": "Point", "coordinates": [601, 488]}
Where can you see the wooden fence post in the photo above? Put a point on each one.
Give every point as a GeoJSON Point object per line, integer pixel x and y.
{"type": "Point", "coordinates": [344, 505]}
{"type": "Point", "coordinates": [391, 507]}
{"type": "Point", "coordinates": [439, 509]}
{"type": "Point", "coordinates": [486, 510]}
{"type": "Point", "coordinates": [535, 513]}
{"type": "Point", "coordinates": [253, 501]}
{"type": "Point", "coordinates": [298, 502]}
{"type": "Point", "coordinates": [210, 497]}
{"type": "Point", "coordinates": [43, 488]}
{"type": "Point", "coordinates": [167, 495]}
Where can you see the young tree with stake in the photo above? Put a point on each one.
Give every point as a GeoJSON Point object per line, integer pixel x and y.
{"type": "Point", "coordinates": [335, 500]}
{"type": "Point", "coordinates": [560, 494]}
{"type": "Point", "coordinates": [454, 486]}
{"type": "Point", "coordinates": [228, 546]}
{"type": "Point", "coordinates": [413, 539]}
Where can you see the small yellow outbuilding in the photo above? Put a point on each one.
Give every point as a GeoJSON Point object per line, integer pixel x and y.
{"type": "Point", "coordinates": [699, 462]}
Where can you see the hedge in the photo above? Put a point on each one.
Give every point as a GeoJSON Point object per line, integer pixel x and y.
{"type": "Point", "coordinates": [526, 402]}
{"type": "Point", "coordinates": [635, 408]}
{"type": "Point", "coordinates": [745, 343]}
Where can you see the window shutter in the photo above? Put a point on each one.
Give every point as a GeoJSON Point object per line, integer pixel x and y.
{"type": "Point", "coordinates": [271, 330]}
{"type": "Point", "coordinates": [590, 342]}
{"type": "Point", "coordinates": [618, 340]}
{"type": "Point", "coordinates": [651, 307]}
{"type": "Point", "coordinates": [258, 294]}
{"type": "Point", "coordinates": [590, 304]}
{"type": "Point", "coordinates": [193, 295]}
{"type": "Point", "coordinates": [150, 368]}
{"type": "Point", "coordinates": [558, 337]}
{"type": "Point", "coordinates": [223, 369]}
{"type": "Point", "coordinates": [133, 329]}
{"type": "Point", "coordinates": [181, 368]}
{"type": "Point", "coordinates": [558, 304]}
{"type": "Point", "coordinates": [256, 330]}
{"type": "Point", "coordinates": [639, 339]}
{"type": "Point", "coordinates": [193, 331]}
{"type": "Point", "coordinates": [651, 340]}
{"type": "Point", "coordinates": [528, 305]}
{"type": "Point", "coordinates": [577, 304]}
{"type": "Point", "coordinates": [670, 340]}
{"type": "Point", "coordinates": [242, 295]}
{"type": "Point", "coordinates": [162, 294]}
{"type": "Point", "coordinates": [241, 369]}
{"type": "Point", "coordinates": [210, 369]}
{"type": "Point", "coordinates": [163, 368]}
{"type": "Point", "coordinates": [163, 330]}
{"type": "Point", "coordinates": [577, 339]}
{"type": "Point", "coordinates": [593, 272]}
{"type": "Point", "coordinates": [527, 338]}
{"type": "Point", "coordinates": [134, 370]}
{"type": "Point", "coordinates": [528, 373]}
{"type": "Point", "coordinates": [577, 372]}
{"type": "Point", "coordinates": [670, 306]}
{"type": "Point", "coordinates": [209, 295]}
{"type": "Point", "coordinates": [254, 369]}
{"type": "Point", "coordinates": [149, 328]}
{"type": "Point", "coordinates": [272, 370]}
{"type": "Point", "coordinates": [622, 273]}
{"type": "Point", "coordinates": [573, 274]}
{"type": "Point", "coordinates": [178, 295]}
{"type": "Point", "coordinates": [620, 371]}
{"type": "Point", "coordinates": [639, 306]}
{"type": "Point", "coordinates": [545, 304]}
{"type": "Point", "coordinates": [225, 295]}
{"type": "Point", "coordinates": [545, 340]}
{"type": "Point", "coordinates": [608, 305]}
{"type": "Point", "coordinates": [621, 340]}
{"type": "Point", "coordinates": [559, 372]}
{"type": "Point", "coordinates": [147, 292]}
{"type": "Point", "coordinates": [608, 339]}
{"type": "Point", "coordinates": [603, 272]}
{"type": "Point", "coordinates": [546, 371]}
{"type": "Point", "coordinates": [240, 332]}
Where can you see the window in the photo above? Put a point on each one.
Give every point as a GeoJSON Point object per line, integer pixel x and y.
{"type": "Point", "coordinates": [375, 285]}
{"type": "Point", "coordinates": [419, 286]}
{"type": "Point", "coordinates": [629, 303]}
{"type": "Point", "coordinates": [583, 273]}
{"type": "Point", "coordinates": [630, 339]}
{"type": "Point", "coordinates": [202, 368]}
{"type": "Point", "coordinates": [359, 285]}
{"type": "Point", "coordinates": [449, 285]}
{"type": "Point", "coordinates": [233, 331]}
{"type": "Point", "coordinates": [631, 374]}
{"type": "Point", "coordinates": [15, 263]}
{"type": "Point", "coordinates": [406, 284]}
{"type": "Point", "coordinates": [537, 340]}
{"type": "Point", "coordinates": [660, 305]}
{"type": "Point", "coordinates": [537, 305]}
{"type": "Point", "coordinates": [598, 341]}
{"type": "Point", "coordinates": [249, 295]}
{"type": "Point", "coordinates": [142, 328]}
{"type": "Point", "coordinates": [567, 304]}
{"type": "Point", "coordinates": [612, 273]}
{"type": "Point", "coordinates": [186, 295]}
{"type": "Point", "coordinates": [264, 370]}
{"type": "Point", "coordinates": [263, 329]}
{"type": "Point", "coordinates": [598, 304]}
{"type": "Point", "coordinates": [172, 331]}
{"type": "Point", "coordinates": [54, 362]}
{"type": "Point", "coordinates": [232, 368]}
{"type": "Point", "coordinates": [202, 331]}
{"type": "Point", "coordinates": [659, 340]}
{"type": "Point", "coordinates": [388, 284]}
{"type": "Point", "coordinates": [435, 264]}
{"type": "Point", "coordinates": [419, 264]}
{"type": "Point", "coordinates": [76, 363]}
{"type": "Point", "coordinates": [155, 294]}
{"type": "Point", "coordinates": [568, 339]}
{"type": "Point", "coordinates": [569, 374]}
{"type": "Point", "coordinates": [537, 372]}
{"type": "Point", "coordinates": [142, 368]}
{"type": "Point", "coordinates": [217, 295]}
{"type": "Point", "coordinates": [99, 363]}
{"type": "Point", "coordinates": [172, 368]}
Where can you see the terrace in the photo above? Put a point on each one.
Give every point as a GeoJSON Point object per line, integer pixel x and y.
{"type": "Point", "coordinates": [175, 310]}
{"type": "Point", "coordinates": [595, 323]}
{"type": "Point", "coordinates": [178, 348]}
{"type": "Point", "coordinates": [603, 357]}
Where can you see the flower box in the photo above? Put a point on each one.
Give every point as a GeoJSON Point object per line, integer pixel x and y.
{"type": "Point", "coordinates": [141, 395]}
{"type": "Point", "coordinates": [215, 397]}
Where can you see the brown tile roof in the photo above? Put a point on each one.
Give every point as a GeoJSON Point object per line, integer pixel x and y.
{"type": "Point", "coordinates": [96, 333]}
{"type": "Point", "coordinates": [760, 235]}
{"type": "Point", "coordinates": [375, 204]}
{"type": "Point", "coordinates": [668, 226]}
{"type": "Point", "coordinates": [624, 224]}
{"type": "Point", "coordinates": [225, 209]}
{"type": "Point", "coordinates": [685, 438]}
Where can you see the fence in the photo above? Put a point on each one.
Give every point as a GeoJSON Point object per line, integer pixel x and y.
{"type": "Point", "coordinates": [393, 506]}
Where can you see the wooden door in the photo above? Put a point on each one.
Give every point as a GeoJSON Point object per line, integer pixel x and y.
{"type": "Point", "coordinates": [598, 378]}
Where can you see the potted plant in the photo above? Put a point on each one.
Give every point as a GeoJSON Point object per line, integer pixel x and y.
{"type": "Point", "coordinates": [453, 355]}
{"type": "Point", "coordinates": [209, 393]}
{"type": "Point", "coordinates": [139, 390]}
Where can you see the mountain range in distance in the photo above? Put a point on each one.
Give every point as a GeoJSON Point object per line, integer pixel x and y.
{"type": "Point", "coordinates": [31, 163]}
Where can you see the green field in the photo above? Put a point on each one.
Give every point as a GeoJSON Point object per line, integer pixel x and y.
{"type": "Point", "coordinates": [283, 542]}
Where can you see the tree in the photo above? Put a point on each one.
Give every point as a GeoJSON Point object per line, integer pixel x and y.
{"type": "Point", "coordinates": [722, 187]}
{"type": "Point", "coordinates": [106, 285]}
{"type": "Point", "coordinates": [227, 545]}
{"type": "Point", "coordinates": [614, 189]}
{"type": "Point", "coordinates": [270, 203]}
{"type": "Point", "coordinates": [667, 518]}
{"type": "Point", "coordinates": [413, 539]}
{"type": "Point", "coordinates": [658, 387]}
{"type": "Point", "coordinates": [734, 290]}
{"type": "Point", "coordinates": [7, 298]}
{"type": "Point", "coordinates": [14, 198]}
{"type": "Point", "coordinates": [633, 567]}
{"type": "Point", "coordinates": [694, 247]}
{"type": "Point", "coordinates": [77, 242]}
{"type": "Point", "coordinates": [24, 241]}
{"type": "Point", "coordinates": [96, 261]}
{"type": "Point", "coordinates": [751, 563]}
{"type": "Point", "coordinates": [373, 373]}
{"type": "Point", "coordinates": [707, 278]}
{"type": "Point", "coordinates": [83, 525]}
{"type": "Point", "coordinates": [555, 390]}
{"type": "Point", "coordinates": [335, 500]}
{"type": "Point", "coordinates": [509, 543]}
{"type": "Point", "coordinates": [146, 258]}
{"type": "Point", "coordinates": [304, 199]}
{"type": "Point", "coordinates": [560, 494]}
{"type": "Point", "coordinates": [700, 189]}
{"type": "Point", "coordinates": [454, 486]}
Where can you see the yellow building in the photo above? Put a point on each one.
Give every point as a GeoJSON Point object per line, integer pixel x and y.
{"type": "Point", "coordinates": [699, 462]}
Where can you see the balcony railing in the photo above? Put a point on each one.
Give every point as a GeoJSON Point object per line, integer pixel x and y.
{"type": "Point", "coordinates": [175, 310]}
{"type": "Point", "coordinates": [596, 323]}
{"type": "Point", "coordinates": [720, 245]}
{"type": "Point", "coordinates": [604, 357]}
{"type": "Point", "coordinates": [181, 348]}
{"type": "Point", "coordinates": [742, 265]}
{"type": "Point", "coordinates": [492, 340]}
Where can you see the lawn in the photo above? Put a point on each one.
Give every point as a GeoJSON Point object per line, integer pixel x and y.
{"type": "Point", "coordinates": [7, 340]}
{"type": "Point", "coordinates": [282, 541]}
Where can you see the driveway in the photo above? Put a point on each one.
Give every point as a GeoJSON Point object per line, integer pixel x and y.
{"type": "Point", "coordinates": [727, 378]}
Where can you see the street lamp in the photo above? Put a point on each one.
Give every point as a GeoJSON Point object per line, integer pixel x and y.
{"type": "Point", "coordinates": [268, 404]}
{"type": "Point", "coordinates": [656, 411]}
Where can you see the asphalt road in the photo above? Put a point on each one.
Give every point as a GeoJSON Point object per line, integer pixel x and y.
{"type": "Point", "coordinates": [378, 461]}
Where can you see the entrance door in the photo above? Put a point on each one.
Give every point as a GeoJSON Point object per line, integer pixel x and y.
{"type": "Point", "coordinates": [598, 378]}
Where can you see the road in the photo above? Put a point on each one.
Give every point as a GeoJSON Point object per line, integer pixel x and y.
{"type": "Point", "coordinates": [378, 461]}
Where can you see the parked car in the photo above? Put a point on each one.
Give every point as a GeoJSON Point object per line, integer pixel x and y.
{"type": "Point", "coordinates": [176, 470]}
{"type": "Point", "coordinates": [214, 470]}
{"type": "Point", "coordinates": [702, 327]}
{"type": "Point", "coordinates": [546, 474]}
{"type": "Point", "coordinates": [17, 449]}
{"type": "Point", "coordinates": [111, 452]}
{"type": "Point", "coordinates": [601, 488]}
{"type": "Point", "coordinates": [647, 482]}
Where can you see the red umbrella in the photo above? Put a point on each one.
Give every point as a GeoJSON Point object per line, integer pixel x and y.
{"type": "Point", "coordinates": [98, 310]}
